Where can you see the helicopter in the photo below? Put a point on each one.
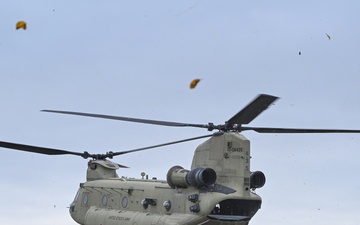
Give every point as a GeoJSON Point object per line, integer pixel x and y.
{"type": "Point", "coordinates": [219, 188]}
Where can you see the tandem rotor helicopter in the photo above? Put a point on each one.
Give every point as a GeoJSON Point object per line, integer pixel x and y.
{"type": "Point", "coordinates": [219, 188]}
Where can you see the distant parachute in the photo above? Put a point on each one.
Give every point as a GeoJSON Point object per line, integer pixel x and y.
{"type": "Point", "coordinates": [21, 24]}
{"type": "Point", "coordinates": [194, 83]}
{"type": "Point", "coordinates": [328, 36]}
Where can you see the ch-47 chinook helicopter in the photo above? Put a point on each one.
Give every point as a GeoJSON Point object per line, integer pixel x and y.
{"type": "Point", "coordinates": [219, 188]}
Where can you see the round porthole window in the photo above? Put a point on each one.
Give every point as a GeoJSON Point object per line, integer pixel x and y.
{"type": "Point", "coordinates": [124, 202]}
{"type": "Point", "coordinates": [144, 203]}
{"type": "Point", "coordinates": [104, 200]}
{"type": "Point", "coordinates": [167, 205]}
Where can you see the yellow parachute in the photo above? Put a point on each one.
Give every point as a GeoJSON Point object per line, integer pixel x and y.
{"type": "Point", "coordinates": [194, 83]}
{"type": "Point", "coordinates": [21, 24]}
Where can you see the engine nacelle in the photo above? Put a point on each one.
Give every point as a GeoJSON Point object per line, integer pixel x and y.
{"type": "Point", "coordinates": [257, 179]}
{"type": "Point", "coordinates": [178, 177]}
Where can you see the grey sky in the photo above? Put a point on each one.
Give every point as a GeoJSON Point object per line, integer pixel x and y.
{"type": "Point", "coordinates": [137, 58]}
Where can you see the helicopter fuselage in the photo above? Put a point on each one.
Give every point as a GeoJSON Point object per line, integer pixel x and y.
{"type": "Point", "coordinates": [216, 190]}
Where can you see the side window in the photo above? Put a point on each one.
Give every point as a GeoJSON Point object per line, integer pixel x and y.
{"type": "Point", "coordinates": [124, 202]}
{"type": "Point", "coordinates": [85, 199]}
{"type": "Point", "coordinates": [104, 200]}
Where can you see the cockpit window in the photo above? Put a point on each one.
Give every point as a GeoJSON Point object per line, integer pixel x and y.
{"type": "Point", "coordinates": [77, 195]}
{"type": "Point", "coordinates": [72, 205]}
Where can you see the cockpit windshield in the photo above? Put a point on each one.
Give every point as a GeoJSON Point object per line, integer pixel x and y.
{"type": "Point", "coordinates": [72, 205]}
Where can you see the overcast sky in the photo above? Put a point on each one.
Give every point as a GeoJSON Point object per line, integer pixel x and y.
{"type": "Point", "coordinates": [137, 59]}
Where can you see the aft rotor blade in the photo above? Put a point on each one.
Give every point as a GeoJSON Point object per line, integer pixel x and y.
{"type": "Point", "coordinates": [136, 120]}
{"type": "Point", "coordinates": [165, 144]}
{"type": "Point", "coordinates": [36, 149]}
{"type": "Point", "coordinates": [296, 130]}
{"type": "Point", "coordinates": [252, 110]}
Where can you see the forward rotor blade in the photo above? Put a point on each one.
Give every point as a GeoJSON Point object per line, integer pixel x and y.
{"type": "Point", "coordinates": [36, 149]}
{"type": "Point", "coordinates": [136, 120]}
{"type": "Point", "coordinates": [252, 110]}
{"type": "Point", "coordinates": [165, 144]}
{"type": "Point", "coordinates": [296, 130]}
